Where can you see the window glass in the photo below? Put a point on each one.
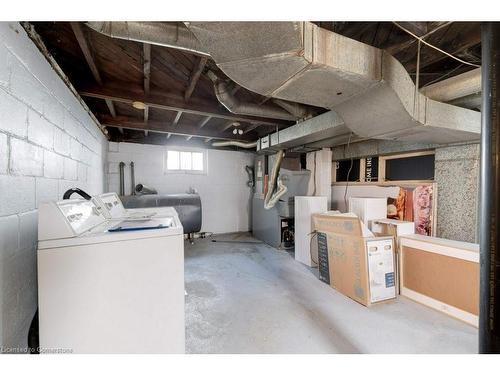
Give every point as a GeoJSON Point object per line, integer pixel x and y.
{"type": "Point", "coordinates": [173, 160]}
{"type": "Point", "coordinates": [185, 160]}
{"type": "Point", "coordinates": [197, 161]}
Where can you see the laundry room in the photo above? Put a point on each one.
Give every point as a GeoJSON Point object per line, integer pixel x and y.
{"type": "Point", "coordinates": [232, 187]}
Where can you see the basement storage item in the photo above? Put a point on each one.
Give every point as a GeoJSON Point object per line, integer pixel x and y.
{"type": "Point", "coordinates": [306, 250]}
{"type": "Point", "coordinates": [109, 286]}
{"type": "Point", "coordinates": [357, 264]}
{"type": "Point", "coordinates": [442, 274]}
{"type": "Point", "coordinates": [368, 209]}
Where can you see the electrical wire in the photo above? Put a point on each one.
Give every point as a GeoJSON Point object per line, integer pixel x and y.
{"type": "Point", "coordinates": [434, 47]}
{"type": "Point", "coordinates": [349, 171]}
{"type": "Point", "coordinates": [312, 234]}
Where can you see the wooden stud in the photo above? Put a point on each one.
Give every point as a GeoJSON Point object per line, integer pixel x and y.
{"type": "Point", "coordinates": [195, 76]}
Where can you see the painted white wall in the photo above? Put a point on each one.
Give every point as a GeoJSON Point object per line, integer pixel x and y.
{"type": "Point", "coordinates": [48, 143]}
{"type": "Point", "coordinates": [223, 191]}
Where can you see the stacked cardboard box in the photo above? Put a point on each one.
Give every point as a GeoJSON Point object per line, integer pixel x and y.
{"type": "Point", "coordinates": [359, 265]}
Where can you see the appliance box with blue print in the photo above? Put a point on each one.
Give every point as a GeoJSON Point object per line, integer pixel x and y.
{"type": "Point", "coordinates": [359, 265]}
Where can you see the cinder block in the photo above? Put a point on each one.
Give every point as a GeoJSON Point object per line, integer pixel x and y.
{"type": "Point", "coordinates": [40, 131]}
{"type": "Point", "coordinates": [46, 190]}
{"type": "Point", "coordinates": [61, 142]}
{"type": "Point", "coordinates": [70, 169]}
{"type": "Point", "coordinates": [28, 224]}
{"type": "Point", "coordinates": [76, 151]}
{"type": "Point", "coordinates": [13, 115]}
{"type": "Point", "coordinates": [4, 154]}
{"type": "Point", "coordinates": [5, 61]}
{"type": "Point", "coordinates": [18, 194]}
{"type": "Point", "coordinates": [25, 158]}
{"type": "Point", "coordinates": [25, 87]}
{"type": "Point", "coordinates": [82, 172]}
{"type": "Point", "coordinates": [9, 235]}
{"type": "Point", "coordinates": [52, 165]}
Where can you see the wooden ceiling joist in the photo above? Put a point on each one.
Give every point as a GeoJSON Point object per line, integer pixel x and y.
{"type": "Point", "coordinates": [87, 53]}
{"type": "Point", "coordinates": [204, 121]}
{"type": "Point", "coordinates": [169, 102]}
{"type": "Point", "coordinates": [161, 127]}
{"type": "Point", "coordinates": [177, 118]}
{"type": "Point", "coordinates": [195, 76]}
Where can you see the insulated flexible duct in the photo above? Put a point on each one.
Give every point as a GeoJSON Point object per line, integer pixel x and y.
{"type": "Point", "coordinates": [271, 199]}
{"type": "Point", "coordinates": [235, 143]}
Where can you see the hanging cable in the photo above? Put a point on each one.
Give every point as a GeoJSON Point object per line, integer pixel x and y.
{"type": "Point", "coordinates": [434, 47]}
{"type": "Point", "coordinates": [349, 171]}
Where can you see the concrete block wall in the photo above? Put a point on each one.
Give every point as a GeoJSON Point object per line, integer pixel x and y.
{"type": "Point", "coordinates": [224, 194]}
{"type": "Point", "coordinates": [456, 175]}
{"type": "Point", "coordinates": [48, 143]}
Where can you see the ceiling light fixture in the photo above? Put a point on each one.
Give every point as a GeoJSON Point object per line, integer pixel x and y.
{"type": "Point", "coordinates": [138, 105]}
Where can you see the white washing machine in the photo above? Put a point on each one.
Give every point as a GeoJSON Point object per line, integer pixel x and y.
{"type": "Point", "coordinates": [109, 286]}
{"type": "Point", "coordinates": [112, 208]}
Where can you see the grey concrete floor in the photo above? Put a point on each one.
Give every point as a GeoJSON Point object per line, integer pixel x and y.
{"type": "Point", "coordinates": [251, 298]}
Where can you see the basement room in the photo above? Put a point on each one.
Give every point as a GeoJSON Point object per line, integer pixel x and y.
{"type": "Point", "coordinates": [278, 184]}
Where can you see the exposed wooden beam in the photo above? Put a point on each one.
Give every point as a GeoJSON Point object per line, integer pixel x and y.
{"type": "Point", "coordinates": [147, 67]}
{"type": "Point", "coordinates": [87, 53]}
{"type": "Point", "coordinates": [207, 140]}
{"type": "Point", "coordinates": [84, 46]}
{"type": "Point", "coordinates": [228, 125]}
{"type": "Point", "coordinates": [177, 118]}
{"type": "Point", "coordinates": [162, 127]}
{"type": "Point", "coordinates": [170, 102]}
{"type": "Point", "coordinates": [111, 107]}
{"type": "Point", "coordinates": [169, 135]}
{"type": "Point", "coordinates": [394, 49]}
{"type": "Point", "coordinates": [204, 121]}
{"type": "Point", "coordinates": [189, 137]}
{"type": "Point", "coordinates": [195, 76]}
{"type": "Point", "coordinates": [146, 114]}
{"type": "Point", "coordinates": [250, 128]}
{"type": "Point", "coordinates": [146, 132]}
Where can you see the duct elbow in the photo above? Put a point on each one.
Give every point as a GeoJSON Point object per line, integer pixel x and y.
{"type": "Point", "coordinates": [233, 105]}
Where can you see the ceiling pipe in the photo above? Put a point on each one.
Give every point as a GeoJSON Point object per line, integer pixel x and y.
{"type": "Point", "coordinates": [166, 34]}
{"type": "Point", "coordinates": [233, 105]}
{"type": "Point", "coordinates": [457, 87]}
{"type": "Point", "coordinates": [235, 143]}
{"type": "Point", "coordinates": [298, 110]}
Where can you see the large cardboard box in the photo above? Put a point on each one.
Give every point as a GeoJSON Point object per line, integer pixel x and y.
{"type": "Point", "coordinates": [396, 228]}
{"type": "Point", "coordinates": [359, 265]}
{"type": "Point", "coordinates": [442, 274]}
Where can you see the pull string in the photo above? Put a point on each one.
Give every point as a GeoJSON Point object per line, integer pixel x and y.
{"type": "Point", "coordinates": [434, 47]}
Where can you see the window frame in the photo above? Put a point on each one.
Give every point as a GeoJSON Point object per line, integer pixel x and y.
{"type": "Point", "coordinates": [381, 170]}
{"type": "Point", "coordinates": [185, 171]}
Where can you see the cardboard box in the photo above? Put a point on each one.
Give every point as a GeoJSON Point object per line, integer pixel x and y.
{"type": "Point", "coordinates": [359, 265]}
{"type": "Point", "coordinates": [441, 274]}
{"type": "Point", "coordinates": [368, 209]}
{"type": "Point", "coordinates": [396, 228]}
{"type": "Point", "coordinates": [392, 227]}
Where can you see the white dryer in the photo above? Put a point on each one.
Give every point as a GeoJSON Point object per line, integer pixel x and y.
{"type": "Point", "coordinates": [109, 286]}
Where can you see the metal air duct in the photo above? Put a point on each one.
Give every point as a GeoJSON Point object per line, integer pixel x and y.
{"type": "Point", "coordinates": [167, 34]}
{"type": "Point", "coordinates": [368, 88]}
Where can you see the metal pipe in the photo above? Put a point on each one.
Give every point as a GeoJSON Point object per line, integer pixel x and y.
{"type": "Point", "coordinates": [233, 105]}
{"type": "Point", "coordinates": [235, 143]}
{"type": "Point", "coordinates": [167, 34]}
{"type": "Point", "coordinates": [132, 177]}
{"type": "Point", "coordinates": [455, 87]}
{"type": "Point", "coordinates": [122, 178]}
{"type": "Point", "coordinates": [299, 111]}
{"type": "Point", "coordinates": [489, 220]}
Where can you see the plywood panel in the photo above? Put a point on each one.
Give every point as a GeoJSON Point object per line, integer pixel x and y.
{"type": "Point", "coordinates": [447, 279]}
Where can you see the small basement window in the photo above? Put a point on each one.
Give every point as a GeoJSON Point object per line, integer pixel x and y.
{"type": "Point", "coordinates": [185, 161]}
